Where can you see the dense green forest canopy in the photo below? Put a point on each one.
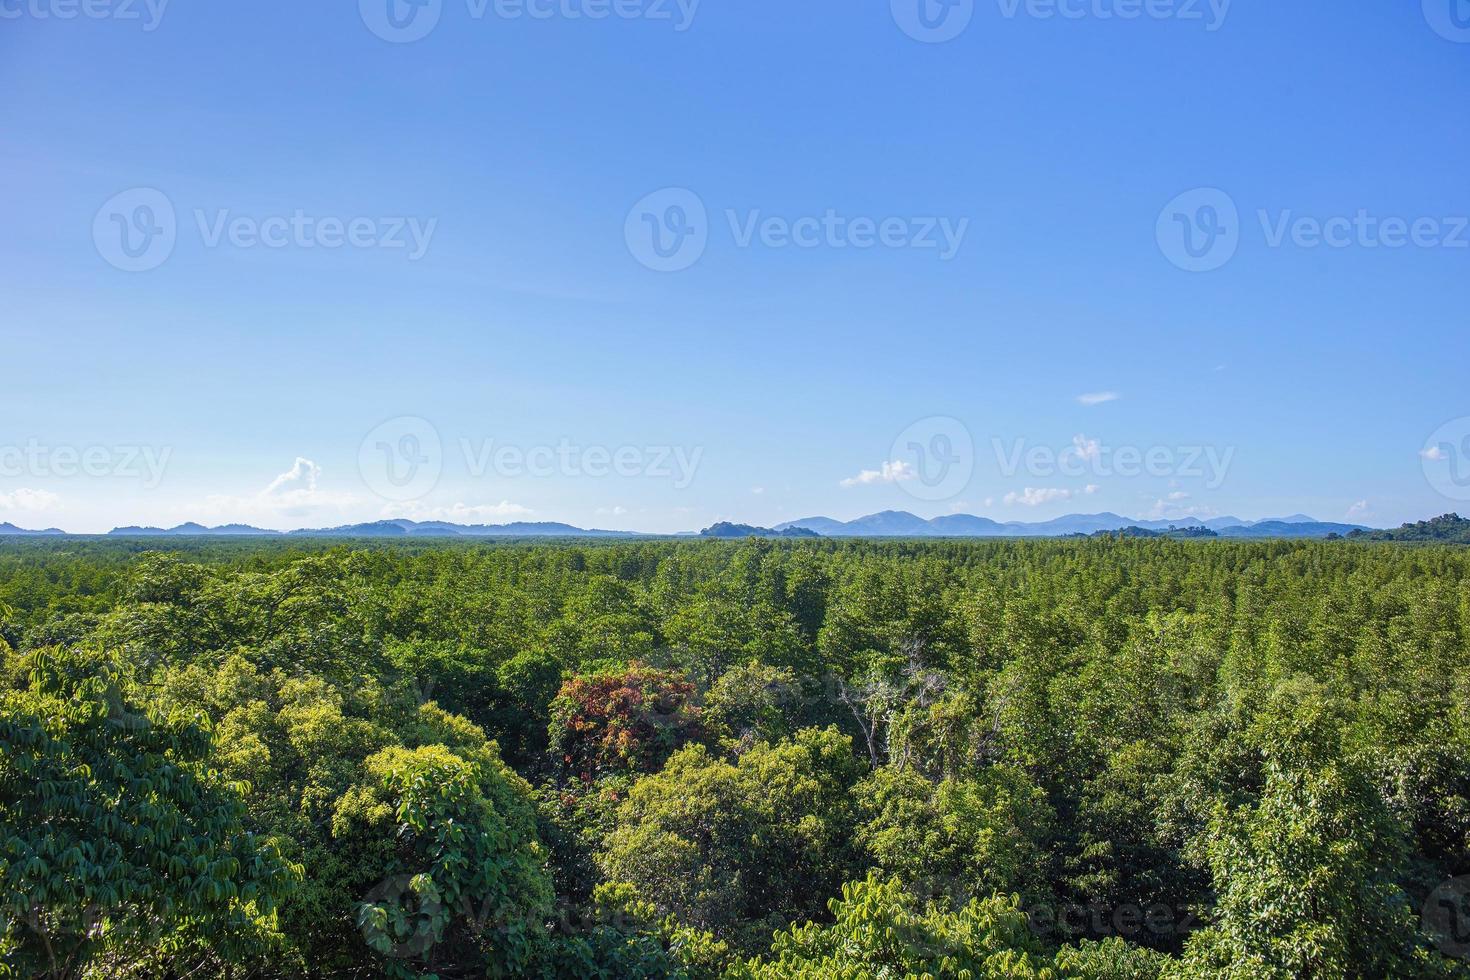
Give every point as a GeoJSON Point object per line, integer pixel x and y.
{"type": "Point", "coordinates": [1092, 758]}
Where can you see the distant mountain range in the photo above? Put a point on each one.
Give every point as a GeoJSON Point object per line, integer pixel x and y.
{"type": "Point", "coordinates": [381, 529]}
{"type": "Point", "coordinates": [898, 523]}
{"type": "Point", "coordinates": [887, 524]}
{"type": "Point", "coordinates": [7, 528]}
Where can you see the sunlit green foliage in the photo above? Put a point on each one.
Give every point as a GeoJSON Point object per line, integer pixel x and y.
{"type": "Point", "coordinates": [119, 844]}
{"type": "Point", "coordinates": [740, 848]}
{"type": "Point", "coordinates": [1111, 758]}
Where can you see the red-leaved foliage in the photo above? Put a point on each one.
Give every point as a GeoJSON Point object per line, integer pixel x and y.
{"type": "Point", "coordinates": [622, 721]}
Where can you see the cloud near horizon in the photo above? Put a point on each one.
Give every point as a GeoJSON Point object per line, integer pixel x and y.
{"type": "Point", "coordinates": [28, 500]}
{"type": "Point", "coordinates": [292, 494]}
{"type": "Point", "coordinates": [893, 472]}
{"type": "Point", "coordinates": [1037, 496]}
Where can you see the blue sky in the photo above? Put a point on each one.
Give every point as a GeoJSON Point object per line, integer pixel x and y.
{"type": "Point", "coordinates": [391, 277]}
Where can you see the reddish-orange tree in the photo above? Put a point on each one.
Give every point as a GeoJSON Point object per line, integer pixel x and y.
{"type": "Point", "coordinates": [622, 721]}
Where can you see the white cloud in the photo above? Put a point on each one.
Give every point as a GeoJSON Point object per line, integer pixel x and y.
{"type": "Point", "coordinates": [26, 499]}
{"type": "Point", "coordinates": [302, 476]}
{"type": "Point", "coordinates": [1359, 509]}
{"type": "Point", "coordinates": [1178, 495]}
{"type": "Point", "coordinates": [893, 472]}
{"type": "Point", "coordinates": [757, 490]}
{"type": "Point", "coordinates": [1098, 398]}
{"type": "Point", "coordinates": [293, 494]}
{"type": "Point", "coordinates": [456, 513]}
{"type": "Point", "coordinates": [1036, 496]}
{"type": "Point", "coordinates": [1091, 489]}
{"type": "Point", "coordinates": [1433, 452]}
{"type": "Point", "coordinates": [1085, 448]}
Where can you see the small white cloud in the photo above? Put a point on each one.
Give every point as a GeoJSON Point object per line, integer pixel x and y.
{"type": "Point", "coordinates": [1036, 496]}
{"type": "Point", "coordinates": [893, 472]}
{"type": "Point", "coordinates": [1178, 495]}
{"type": "Point", "coordinates": [989, 501]}
{"type": "Point", "coordinates": [1085, 448]}
{"type": "Point", "coordinates": [26, 499]}
{"type": "Point", "coordinates": [1098, 398]}
{"type": "Point", "coordinates": [1433, 452]}
{"type": "Point", "coordinates": [757, 490]}
{"type": "Point", "coordinates": [1359, 509]}
{"type": "Point", "coordinates": [1091, 489]}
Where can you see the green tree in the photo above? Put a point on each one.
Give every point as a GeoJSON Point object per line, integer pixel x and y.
{"type": "Point", "coordinates": [465, 877]}
{"type": "Point", "coordinates": [959, 838]}
{"type": "Point", "coordinates": [740, 849]}
{"type": "Point", "coordinates": [880, 931]}
{"type": "Point", "coordinates": [1306, 875]}
{"type": "Point", "coordinates": [123, 850]}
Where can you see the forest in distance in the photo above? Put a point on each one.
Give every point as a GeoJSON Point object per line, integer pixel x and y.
{"type": "Point", "coordinates": [1117, 758]}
